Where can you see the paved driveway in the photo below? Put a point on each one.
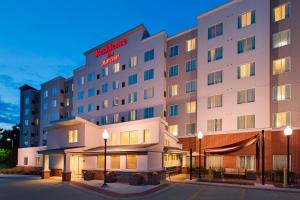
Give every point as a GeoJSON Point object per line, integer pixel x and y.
{"type": "Point", "coordinates": [33, 188]}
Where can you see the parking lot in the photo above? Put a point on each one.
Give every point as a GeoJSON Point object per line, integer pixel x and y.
{"type": "Point", "coordinates": [33, 188]}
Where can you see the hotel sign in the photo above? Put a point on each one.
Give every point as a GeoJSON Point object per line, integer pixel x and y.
{"type": "Point", "coordinates": [108, 50]}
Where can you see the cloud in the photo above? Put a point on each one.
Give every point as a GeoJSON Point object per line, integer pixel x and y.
{"type": "Point", "coordinates": [9, 113]}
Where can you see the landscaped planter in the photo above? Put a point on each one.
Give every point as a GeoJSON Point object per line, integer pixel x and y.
{"type": "Point", "coordinates": [136, 179]}
{"type": "Point", "coordinates": [88, 175]}
{"type": "Point", "coordinates": [111, 177]}
{"type": "Point", "coordinates": [154, 178]}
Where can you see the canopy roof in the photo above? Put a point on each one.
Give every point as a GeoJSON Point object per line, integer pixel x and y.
{"type": "Point", "coordinates": [232, 147]}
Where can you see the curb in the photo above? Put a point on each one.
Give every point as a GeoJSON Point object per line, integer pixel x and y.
{"type": "Point", "coordinates": [253, 187]}
{"type": "Point", "coordinates": [120, 195]}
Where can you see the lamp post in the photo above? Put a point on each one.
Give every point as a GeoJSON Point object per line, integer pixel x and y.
{"type": "Point", "coordinates": [12, 147]}
{"type": "Point", "coordinates": [288, 131]}
{"type": "Point", "coordinates": [105, 136]}
{"type": "Point", "coordinates": [200, 136]}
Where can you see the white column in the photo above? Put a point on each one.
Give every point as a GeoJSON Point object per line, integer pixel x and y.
{"type": "Point", "coordinates": [66, 163]}
{"type": "Point", "coordinates": [45, 162]}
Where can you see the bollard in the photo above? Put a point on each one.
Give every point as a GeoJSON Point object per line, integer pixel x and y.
{"type": "Point", "coordinates": [284, 177]}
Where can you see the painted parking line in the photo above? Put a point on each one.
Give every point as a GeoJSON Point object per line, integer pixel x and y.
{"type": "Point", "coordinates": [196, 194]}
{"type": "Point", "coordinates": [243, 192]}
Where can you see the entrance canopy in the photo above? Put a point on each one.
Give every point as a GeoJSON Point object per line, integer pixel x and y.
{"type": "Point", "coordinates": [232, 147]}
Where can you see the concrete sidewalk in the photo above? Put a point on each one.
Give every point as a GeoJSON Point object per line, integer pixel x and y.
{"type": "Point", "coordinates": [120, 190]}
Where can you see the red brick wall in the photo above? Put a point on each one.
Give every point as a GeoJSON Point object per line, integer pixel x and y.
{"type": "Point", "coordinates": [275, 143]}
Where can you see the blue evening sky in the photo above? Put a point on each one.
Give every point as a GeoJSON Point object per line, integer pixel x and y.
{"type": "Point", "coordinates": [41, 39]}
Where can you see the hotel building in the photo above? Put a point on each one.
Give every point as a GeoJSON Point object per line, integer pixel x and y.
{"type": "Point", "coordinates": [231, 76]}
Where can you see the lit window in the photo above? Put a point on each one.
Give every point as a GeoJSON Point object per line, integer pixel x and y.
{"type": "Point", "coordinates": [113, 139]}
{"type": "Point", "coordinates": [26, 122]}
{"type": "Point", "coordinates": [215, 30]}
{"type": "Point", "coordinates": [133, 61]}
{"type": "Point", "coordinates": [131, 161]}
{"type": "Point", "coordinates": [214, 125]}
{"type": "Point", "coordinates": [191, 44]}
{"type": "Point", "coordinates": [173, 90]}
{"type": "Point", "coordinates": [173, 51]}
{"type": "Point", "coordinates": [116, 117]}
{"type": "Point", "coordinates": [53, 116]}
{"type": "Point", "coordinates": [132, 97]}
{"type": "Point", "coordinates": [215, 101]}
{"type": "Point", "coordinates": [132, 115]}
{"type": "Point", "coordinates": [115, 162]}
{"type": "Point", "coordinates": [281, 12]}
{"type": "Point", "coordinates": [281, 39]}
{"type": "Point", "coordinates": [246, 162]}
{"type": "Point", "coordinates": [190, 129]}
{"type": "Point", "coordinates": [67, 102]}
{"type": "Point", "coordinates": [173, 129]}
{"type": "Point", "coordinates": [124, 137]}
{"type": "Point", "coordinates": [116, 67]}
{"type": "Point", "coordinates": [246, 121]}
{"type": "Point", "coordinates": [281, 65]}
{"type": "Point", "coordinates": [73, 136]}
{"type": "Point", "coordinates": [116, 101]}
{"type": "Point", "coordinates": [246, 70]}
{"type": "Point", "coordinates": [280, 162]}
{"type": "Point", "coordinates": [281, 119]}
{"type": "Point", "coordinates": [281, 93]}
{"type": "Point", "coordinates": [246, 19]}
{"type": "Point", "coordinates": [37, 161]}
{"type": "Point", "coordinates": [133, 137]}
{"type": "Point", "coordinates": [100, 161]}
{"type": "Point", "coordinates": [215, 54]}
{"type": "Point", "coordinates": [246, 96]}
{"type": "Point", "coordinates": [104, 103]}
{"type": "Point", "coordinates": [146, 136]}
{"type": "Point", "coordinates": [148, 93]}
{"type": "Point", "coordinates": [191, 107]}
{"type": "Point", "coordinates": [246, 45]}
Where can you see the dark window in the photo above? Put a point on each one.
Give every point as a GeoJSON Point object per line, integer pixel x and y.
{"type": "Point", "coordinates": [123, 84]}
{"type": "Point", "coordinates": [98, 76]}
{"type": "Point", "coordinates": [98, 92]}
{"type": "Point", "coordinates": [123, 101]}
{"type": "Point", "coordinates": [123, 67]}
{"type": "Point", "coordinates": [122, 119]}
{"type": "Point", "coordinates": [98, 107]}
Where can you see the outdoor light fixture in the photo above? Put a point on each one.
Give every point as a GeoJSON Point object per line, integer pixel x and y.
{"type": "Point", "coordinates": [12, 147]}
{"type": "Point", "coordinates": [200, 137]}
{"type": "Point", "coordinates": [105, 136]}
{"type": "Point", "coordinates": [288, 131]}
